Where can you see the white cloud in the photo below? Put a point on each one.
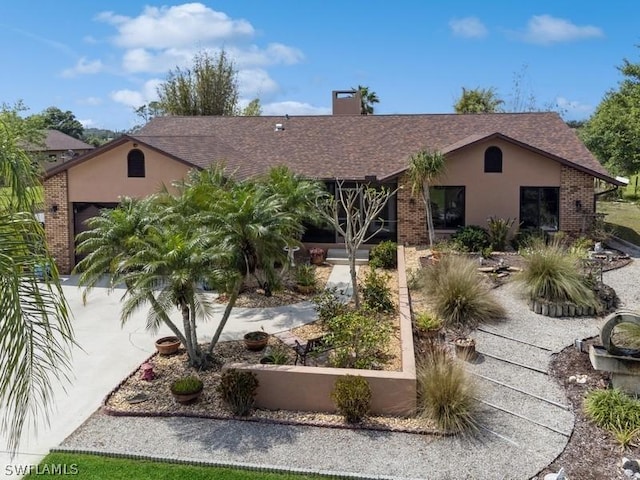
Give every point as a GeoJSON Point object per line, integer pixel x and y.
{"type": "Point", "coordinates": [86, 123]}
{"type": "Point", "coordinates": [89, 39]}
{"type": "Point", "coordinates": [136, 98]}
{"type": "Point", "coordinates": [468, 27]}
{"type": "Point", "coordinates": [574, 106]}
{"type": "Point", "coordinates": [256, 81]}
{"type": "Point", "coordinates": [90, 101]}
{"type": "Point", "coordinates": [175, 26]}
{"type": "Point", "coordinates": [84, 67]}
{"type": "Point", "coordinates": [546, 30]}
{"type": "Point", "coordinates": [293, 108]}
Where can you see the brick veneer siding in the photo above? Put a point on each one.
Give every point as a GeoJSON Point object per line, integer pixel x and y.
{"type": "Point", "coordinates": [576, 186]}
{"type": "Point", "coordinates": [58, 224]}
{"type": "Point", "coordinates": [412, 217]}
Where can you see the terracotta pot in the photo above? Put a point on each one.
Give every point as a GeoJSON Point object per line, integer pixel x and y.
{"type": "Point", "coordinates": [317, 259]}
{"type": "Point", "coordinates": [167, 345]}
{"type": "Point", "coordinates": [465, 348]}
{"type": "Point", "coordinates": [187, 398]}
{"type": "Point", "coordinates": [256, 341]}
{"type": "Point", "coordinates": [306, 289]}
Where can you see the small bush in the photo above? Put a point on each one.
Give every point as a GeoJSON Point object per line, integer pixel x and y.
{"type": "Point", "coordinates": [384, 255]}
{"type": "Point", "coordinates": [471, 238]}
{"type": "Point", "coordinates": [328, 305]}
{"type": "Point", "coordinates": [376, 293]}
{"type": "Point", "coordinates": [238, 389]}
{"type": "Point", "coordinates": [187, 385]}
{"type": "Point", "coordinates": [446, 392]}
{"type": "Point", "coordinates": [615, 411]}
{"type": "Point", "coordinates": [427, 321]}
{"type": "Point", "coordinates": [498, 232]}
{"type": "Point", "coordinates": [524, 237]}
{"type": "Point", "coordinates": [306, 275]}
{"type": "Point", "coordinates": [552, 274]}
{"type": "Point", "coordinates": [458, 295]}
{"type": "Point", "coordinates": [360, 337]}
{"type": "Point", "coordinates": [352, 397]}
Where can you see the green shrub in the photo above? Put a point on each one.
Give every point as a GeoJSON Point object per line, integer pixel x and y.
{"type": "Point", "coordinates": [552, 274]}
{"type": "Point", "coordinates": [524, 237]}
{"type": "Point", "coordinates": [446, 393]}
{"type": "Point", "coordinates": [360, 337]}
{"type": "Point", "coordinates": [238, 389]}
{"type": "Point", "coordinates": [615, 411]}
{"type": "Point", "coordinates": [306, 275]}
{"type": "Point", "coordinates": [328, 305]}
{"type": "Point", "coordinates": [471, 238]}
{"type": "Point", "coordinates": [376, 293]}
{"type": "Point", "coordinates": [187, 385]}
{"type": "Point", "coordinates": [352, 397]}
{"type": "Point", "coordinates": [498, 232]}
{"type": "Point", "coordinates": [427, 321]}
{"type": "Point", "coordinates": [458, 295]}
{"type": "Point", "coordinates": [384, 255]}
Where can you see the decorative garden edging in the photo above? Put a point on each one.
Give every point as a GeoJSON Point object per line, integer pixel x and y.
{"type": "Point", "coordinates": [560, 309]}
{"type": "Point", "coordinates": [301, 388]}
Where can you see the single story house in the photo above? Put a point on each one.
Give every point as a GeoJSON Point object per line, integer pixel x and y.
{"type": "Point", "coordinates": [58, 147]}
{"type": "Point", "coordinates": [527, 166]}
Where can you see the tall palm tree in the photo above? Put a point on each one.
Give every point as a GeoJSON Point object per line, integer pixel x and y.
{"type": "Point", "coordinates": [367, 99]}
{"type": "Point", "coordinates": [424, 167]}
{"type": "Point", "coordinates": [36, 334]}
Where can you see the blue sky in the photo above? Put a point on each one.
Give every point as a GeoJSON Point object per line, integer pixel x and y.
{"type": "Point", "coordinates": [101, 59]}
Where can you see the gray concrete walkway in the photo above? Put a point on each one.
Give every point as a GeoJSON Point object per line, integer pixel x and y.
{"type": "Point", "coordinates": [525, 420]}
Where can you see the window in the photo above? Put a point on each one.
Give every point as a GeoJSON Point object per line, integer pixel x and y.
{"type": "Point", "coordinates": [493, 160]}
{"type": "Point", "coordinates": [447, 207]}
{"type": "Point", "coordinates": [539, 207]}
{"type": "Point", "coordinates": [135, 163]}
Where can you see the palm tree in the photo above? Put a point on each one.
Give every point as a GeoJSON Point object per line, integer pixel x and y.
{"type": "Point", "coordinates": [36, 334]}
{"type": "Point", "coordinates": [424, 167]}
{"type": "Point", "coordinates": [367, 99]}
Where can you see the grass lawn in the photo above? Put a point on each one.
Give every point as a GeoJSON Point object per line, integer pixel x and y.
{"type": "Point", "coordinates": [623, 218]}
{"type": "Point", "coordinates": [93, 467]}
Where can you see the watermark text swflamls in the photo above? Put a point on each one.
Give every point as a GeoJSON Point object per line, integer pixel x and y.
{"type": "Point", "coordinates": [42, 469]}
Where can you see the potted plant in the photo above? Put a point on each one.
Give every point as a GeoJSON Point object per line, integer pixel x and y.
{"type": "Point", "coordinates": [167, 345]}
{"type": "Point", "coordinates": [187, 390]}
{"type": "Point", "coordinates": [305, 278]}
{"type": "Point", "coordinates": [317, 255]}
{"type": "Point", "coordinates": [428, 325]}
{"type": "Point", "coordinates": [465, 348]}
{"type": "Point", "coordinates": [256, 341]}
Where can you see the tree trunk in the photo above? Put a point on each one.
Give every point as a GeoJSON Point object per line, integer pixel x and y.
{"type": "Point", "coordinates": [195, 355]}
{"type": "Point", "coordinates": [427, 205]}
{"type": "Point", "coordinates": [354, 278]}
{"type": "Point", "coordinates": [225, 316]}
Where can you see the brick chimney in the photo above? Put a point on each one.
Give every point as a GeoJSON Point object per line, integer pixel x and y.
{"type": "Point", "coordinates": [346, 102]}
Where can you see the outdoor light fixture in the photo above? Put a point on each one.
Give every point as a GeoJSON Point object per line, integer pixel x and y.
{"type": "Point", "coordinates": [54, 208]}
{"type": "Point", "coordinates": [578, 205]}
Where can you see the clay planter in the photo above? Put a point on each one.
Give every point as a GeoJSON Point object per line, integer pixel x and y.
{"type": "Point", "coordinates": [465, 348]}
{"type": "Point", "coordinates": [305, 289]}
{"type": "Point", "coordinates": [167, 345]}
{"type": "Point", "coordinates": [187, 398]}
{"type": "Point", "coordinates": [256, 341]}
{"type": "Point", "coordinates": [316, 256]}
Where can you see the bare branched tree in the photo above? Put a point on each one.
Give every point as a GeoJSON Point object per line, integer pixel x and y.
{"type": "Point", "coordinates": [351, 212]}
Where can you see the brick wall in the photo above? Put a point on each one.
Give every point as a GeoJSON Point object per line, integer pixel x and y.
{"type": "Point", "coordinates": [57, 224]}
{"type": "Point", "coordinates": [576, 186]}
{"type": "Point", "coordinates": [412, 217]}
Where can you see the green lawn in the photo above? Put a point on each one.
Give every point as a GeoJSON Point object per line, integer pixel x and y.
{"type": "Point", "coordinates": [623, 218]}
{"type": "Point", "coordinates": [92, 467]}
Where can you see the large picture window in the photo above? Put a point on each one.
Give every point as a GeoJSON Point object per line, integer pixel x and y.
{"type": "Point", "coordinates": [447, 207]}
{"type": "Point", "coordinates": [539, 207]}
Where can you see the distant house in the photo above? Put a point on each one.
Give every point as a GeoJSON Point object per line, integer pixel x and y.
{"type": "Point", "coordinates": [527, 166]}
{"type": "Point", "coordinates": [57, 148]}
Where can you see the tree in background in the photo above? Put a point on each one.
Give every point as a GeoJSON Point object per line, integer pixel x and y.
{"type": "Point", "coordinates": [149, 110]}
{"type": "Point", "coordinates": [65, 122]}
{"type": "Point", "coordinates": [478, 100]}
{"type": "Point", "coordinates": [367, 99]}
{"type": "Point", "coordinates": [209, 87]}
{"type": "Point", "coordinates": [253, 109]}
{"type": "Point", "coordinates": [424, 167]}
{"type": "Point", "coordinates": [36, 334]}
{"type": "Point", "coordinates": [613, 131]}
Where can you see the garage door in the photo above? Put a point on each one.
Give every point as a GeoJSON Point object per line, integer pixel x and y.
{"type": "Point", "coordinates": [83, 212]}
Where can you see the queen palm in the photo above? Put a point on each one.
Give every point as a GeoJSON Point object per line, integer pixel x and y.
{"type": "Point", "coordinates": [36, 334]}
{"type": "Point", "coordinates": [424, 167]}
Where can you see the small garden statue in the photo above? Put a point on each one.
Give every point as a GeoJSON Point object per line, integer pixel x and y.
{"type": "Point", "coordinates": [146, 372]}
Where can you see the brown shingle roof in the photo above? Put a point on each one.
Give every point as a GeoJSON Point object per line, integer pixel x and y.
{"type": "Point", "coordinates": [346, 146]}
{"type": "Point", "coordinates": [56, 140]}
